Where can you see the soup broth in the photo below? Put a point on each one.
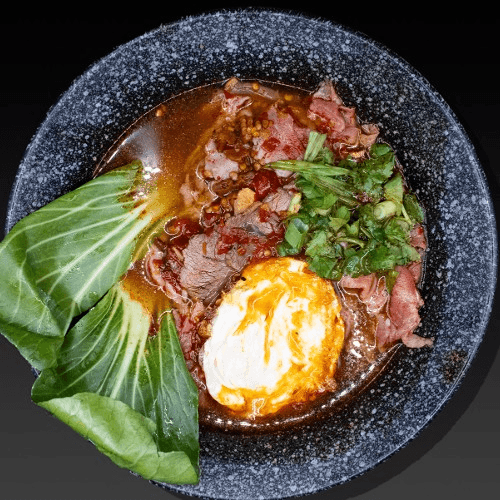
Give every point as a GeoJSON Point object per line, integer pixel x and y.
{"type": "Point", "coordinates": [171, 142]}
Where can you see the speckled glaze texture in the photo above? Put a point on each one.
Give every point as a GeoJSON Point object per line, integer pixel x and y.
{"type": "Point", "coordinates": [441, 166]}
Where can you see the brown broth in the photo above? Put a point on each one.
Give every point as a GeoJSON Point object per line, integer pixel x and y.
{"type": "Point", "coordinates": [169, 141]}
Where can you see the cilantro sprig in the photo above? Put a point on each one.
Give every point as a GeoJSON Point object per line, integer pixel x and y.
{"type": "Point", "coordinates": [353, 217]}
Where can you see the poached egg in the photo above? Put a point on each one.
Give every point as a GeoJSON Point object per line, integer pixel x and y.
{"type": "Point", "coordinates": [275, 339]}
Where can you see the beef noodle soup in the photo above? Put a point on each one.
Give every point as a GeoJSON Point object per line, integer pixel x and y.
{"type": "Point", "coordinates": [279, 314]}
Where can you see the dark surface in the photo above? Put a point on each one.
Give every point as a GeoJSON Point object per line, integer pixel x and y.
{"type": "Point", "coordinates": [455, 456]}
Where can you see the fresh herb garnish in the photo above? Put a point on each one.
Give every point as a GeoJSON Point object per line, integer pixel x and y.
{"type": "Point", "coordinates": [354, 217]}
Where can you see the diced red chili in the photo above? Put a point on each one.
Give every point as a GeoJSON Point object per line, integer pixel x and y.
{"type": "Point", "coordinates": [271, 144]}
{"type": "Point", "coordinates": [264, 214]}
{"type": "Point", "coordinates": [267, 247]}
{"type": "Point", "coordinates": [264, 182]}
{"type": "Point", "coordinates": [231, 237]}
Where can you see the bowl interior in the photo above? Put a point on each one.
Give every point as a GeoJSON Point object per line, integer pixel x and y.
{"type": "Point", "coordinates": [440, 164]}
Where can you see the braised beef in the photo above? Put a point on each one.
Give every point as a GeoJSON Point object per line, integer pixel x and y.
{"type": "Point", "coordinates": [254, 221]}
{"type": "Point", "coordinates": [212, 259]}
{"type": "Point", "coordinates": [371, 290]}
{"type": "Point", "coordinates": [397, 314]}
{"type": "Point", "coordinates": [345, 135]}
{"type": "Point", "coordinates": [206, 272]}
{"type": "Point", "coordinates": [217, 164]}
{"type": "Point", "coordinates": [237, 87]}
{"type": "Point", "coordinates": [284, 139]}
{"type": "Point", "coordinates": [280, 200]}
{"type": "Point", "coordinates": [403, 313]}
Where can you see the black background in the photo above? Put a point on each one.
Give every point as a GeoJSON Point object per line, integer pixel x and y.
{"type": "Point", "coordinates": [458, 455]}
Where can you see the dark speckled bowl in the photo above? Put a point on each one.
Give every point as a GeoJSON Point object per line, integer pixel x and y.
{"type": "Point", "coordinates": [441, 166]}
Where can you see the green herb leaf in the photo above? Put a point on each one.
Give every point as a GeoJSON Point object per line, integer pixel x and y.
{"type": "Point", "coordinates": [413, 208]}
{"type": "Point", "coordinates": [322, 204]}
{"type": "Point", "coordinates": [385, 209]}
{"type": "Point", "coordinates": [390, 279]}
{"type": "Point", "coordinates": [318, 245]}
{"type": "Point", "coordinates": [308, 167]}
{"type": "Point", "coordinates": [314, 145]}
{"type": "Point", "coordinates": [394, 190]}
{"type": "Point", "coordinates": [296, 233]}
{"type": "Point", "coordinates": [355, 217]}
{"type": "Point", "coordinates": [323, 266]}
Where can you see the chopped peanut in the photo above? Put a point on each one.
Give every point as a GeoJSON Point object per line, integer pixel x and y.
{"type": "Point", "coordinates": [245, 198]}
{"type": "Point", "coordinates": [225, 204]}
{"type": "Point", "coordinates": [205, 329]}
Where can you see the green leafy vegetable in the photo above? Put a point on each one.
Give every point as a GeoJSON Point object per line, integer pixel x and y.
{"type": "Point", "coordinates": [354, 218]}
{"type": "Point", "coordinates": [108, 357]}
{"type": "Point", "coordinates": [105, 422]}
{"type": "Point", "coordinates": [412, 208]}
{"type": "Point", "coordinates": [105, 375]}
{"type": "Point", "coordinates": [296, 233]}
{"type": "Point", "coordinates": [60, 260]}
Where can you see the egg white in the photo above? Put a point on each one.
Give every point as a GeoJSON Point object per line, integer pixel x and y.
{"type": "Point", "coordinates": [275, 339]}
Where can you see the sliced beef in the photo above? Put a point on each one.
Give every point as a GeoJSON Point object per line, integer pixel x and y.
{"type": "Point", "coordinates": [230, 104]}
{"type": "Point", "coordinates": [233, 104]}
{"type": "Point", "coordinates": [205, 272]}
{"type": "Point", "coordinates": [368, 135]}
{"type": "Point", "coordinates": [333, 118]}
{"type": "Point", "coordinates": [258, 220]}
{"type": "Point", "coordinates": [238, 88]}
{"type": "Point", "coordinates": [339, 122]}
{"type": "Point", "coordinates": [398, 313]}
{"type": "Point", "coordinates": [371, 290]}
{"type": "Point", "coordinates": [217, 164]}
{"type": "Point", "coordinates": [195, 195]}
{"type": "Point", "coordinates": [418, 241]}
{"type": "Point", "coordinates": [212, 260]}
{"type": "Point", "coordinates": [279, 201]}
{"type": "Point", "coordinates": [326, 92]}
{"type": "Point", "coordinates": [403, 313]}
{"type": "Point", "coordinates": [284, 139]}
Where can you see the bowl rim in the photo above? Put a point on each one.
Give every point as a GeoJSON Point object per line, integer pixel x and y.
{"type": "Point", "coordinates": [445, 107]}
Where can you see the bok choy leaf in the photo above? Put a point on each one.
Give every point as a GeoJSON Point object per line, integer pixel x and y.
{"type": "Point", "coordinates": [60, 260]}
{"type": "Point", "coordinates": [65, 304]}
{"type": "Point", "coordinates": [127, 391]}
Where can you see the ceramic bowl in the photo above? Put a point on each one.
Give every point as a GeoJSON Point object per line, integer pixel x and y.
{"type": "Point", "coordinates": [441, 166]}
